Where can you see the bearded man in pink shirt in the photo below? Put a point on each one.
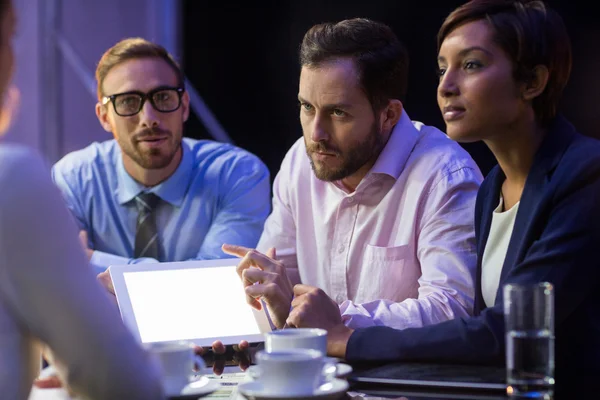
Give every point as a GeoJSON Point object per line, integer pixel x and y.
{"type": "Point", "coordinates": [371, 210]}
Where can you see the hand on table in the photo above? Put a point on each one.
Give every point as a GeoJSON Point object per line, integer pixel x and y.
{"type": "Point", "coordinates": [49, 382]}
{"type": "Point", "coordinates": [52, 381]}
{"type": "Point", "coordinates": [219, 349]}
{"type": "Point", "coordinates": [264, 278]}
{"type": "Point", "coordinates": [312, 308]}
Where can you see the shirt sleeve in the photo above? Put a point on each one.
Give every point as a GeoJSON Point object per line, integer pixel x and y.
{"type": "Point", "coordinates": [101, 260]}
{"type": "Point", "coordinates": [239, 221]}
{"type": "Point", "coordinates": [280, 228]}
{"type": "Point", "coordinates": [70, 189]}
{"type": "Point", "coordinates": [245, 205]}
{"type": "Point", "coordinates": [447, 255]}
{"type": "Point", "coordinates": [48, 289]}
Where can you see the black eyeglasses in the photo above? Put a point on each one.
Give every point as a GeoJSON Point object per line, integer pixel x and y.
{"type": "Point", "coordinates": [163, 99]}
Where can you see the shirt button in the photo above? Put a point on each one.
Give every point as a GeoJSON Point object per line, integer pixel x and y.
{"type": "Point", "coordinates": [350, 200]}
{"type": "Point", "coordinates": [341, 249]}
{"type": "Point", "coordinates": [339, 299]}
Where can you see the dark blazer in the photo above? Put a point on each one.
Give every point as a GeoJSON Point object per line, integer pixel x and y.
{"type": "Point", "coordinates": [556, 238]}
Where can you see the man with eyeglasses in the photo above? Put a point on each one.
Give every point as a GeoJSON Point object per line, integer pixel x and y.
{"type": "Point", "coordinates": [149, 194]}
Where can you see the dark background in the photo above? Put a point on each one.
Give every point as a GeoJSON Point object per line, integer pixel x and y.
{"type": "Point", "coordinates": [242, 58]}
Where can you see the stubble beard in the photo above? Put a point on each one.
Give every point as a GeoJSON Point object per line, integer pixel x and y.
{"type": "Point", "coordinates": [352, 159]}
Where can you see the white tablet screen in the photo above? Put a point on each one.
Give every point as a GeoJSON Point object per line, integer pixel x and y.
{"type": "Point", "coordinates": [189, 304]}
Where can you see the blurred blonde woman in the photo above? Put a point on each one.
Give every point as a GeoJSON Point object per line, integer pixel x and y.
{"type": "Point", "coordinates": [47, 294]}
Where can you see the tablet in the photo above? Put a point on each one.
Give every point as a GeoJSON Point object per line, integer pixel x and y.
{"type": "Point", "coordinates": [199, 301]}
{"type": "Point", "coordinates": [434, 376]}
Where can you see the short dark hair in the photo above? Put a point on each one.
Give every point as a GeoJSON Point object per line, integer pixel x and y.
{"type": "Point", "coordinates": [134, 48]}
{"type": "Point", "coordinates": [379, 56]}
{"type": "Point", "coordinates": [531, 34]}
{"type": "Point", "coordinates": [5, 6]}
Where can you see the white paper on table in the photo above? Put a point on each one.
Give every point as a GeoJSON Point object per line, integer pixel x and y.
{"type": "Point", "coordinates": [229, 383]}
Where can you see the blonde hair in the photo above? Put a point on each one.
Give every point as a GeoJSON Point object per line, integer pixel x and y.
{"type": "Point", "coordinates": [129, 49]}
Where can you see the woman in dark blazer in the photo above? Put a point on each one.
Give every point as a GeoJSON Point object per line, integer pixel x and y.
{"type": "Point", "coordinates": [503, 66]}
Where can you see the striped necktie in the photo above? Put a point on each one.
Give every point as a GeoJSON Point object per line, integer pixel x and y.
{"type": "Point", "coordinates": [146, 235]}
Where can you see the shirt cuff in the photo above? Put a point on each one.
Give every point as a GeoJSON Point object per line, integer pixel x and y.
{"type": "Point", "coordinates": [354, 316]}
{"type": "Point", "coordinates": [101, 260]}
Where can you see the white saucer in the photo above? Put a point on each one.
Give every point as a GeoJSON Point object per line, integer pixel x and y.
{"type": "Point", "coordinates": [342, 370]}
{"type": "Point", "coordinates": [199, 387]}
{"type": "Point", "coordinates": [254, 390]}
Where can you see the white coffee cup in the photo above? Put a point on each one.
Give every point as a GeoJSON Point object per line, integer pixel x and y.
{"type": "Point", "coordinates": [297, 338]}
{"type": "Point", "coordinates": [177, 361]}
{"type": "Point", "coordinates": [292, 372]}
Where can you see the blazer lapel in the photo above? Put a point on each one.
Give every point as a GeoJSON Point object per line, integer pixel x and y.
{"type": "Point", "coordinates": [489, 201]}
{"type": "Point", "coordinates": [519, 243]}
{"type": "Point", "coordinates": [547, 157]}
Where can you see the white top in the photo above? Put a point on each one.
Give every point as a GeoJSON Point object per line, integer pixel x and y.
{"type": "Point", "coordinates": [495, 250]}
{"type": "Point", "coordinates": [48, 293]}
{"type": "Point", "coordinates": [399, 250]}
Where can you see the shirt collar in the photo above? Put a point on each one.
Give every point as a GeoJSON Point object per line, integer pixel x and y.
{"type": "Point", "coordinates": [393, 157]}
{"type": "Point", "coordinates": [172, 190]}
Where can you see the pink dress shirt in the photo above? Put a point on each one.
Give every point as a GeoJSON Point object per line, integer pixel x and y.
{"type": "Point", "coordinates": [398, 251]}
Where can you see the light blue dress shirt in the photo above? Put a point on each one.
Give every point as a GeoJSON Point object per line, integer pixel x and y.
{"type": "Point", "coordinates": [218, 194]}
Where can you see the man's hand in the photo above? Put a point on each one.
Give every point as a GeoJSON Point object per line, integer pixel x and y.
{"type": "Point", "coordinates": [49, 382]}
{"type": "Point", "coordinates": [312, 308]}
{"type": "Point", "coordinates": [264, 278]}
{"type": "Point", "coordinates": [52, 381]}
{"type": "Point", "coordinates": [106, 282]}
{"type": "Point", "coordinates": [218, 348]}
{"type": "Point", "coordinates": [83, 238]}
